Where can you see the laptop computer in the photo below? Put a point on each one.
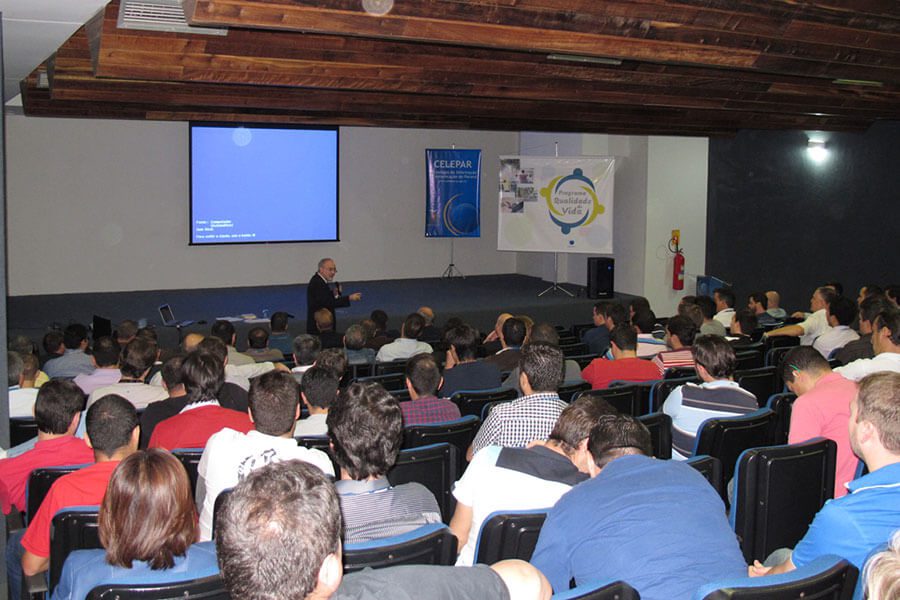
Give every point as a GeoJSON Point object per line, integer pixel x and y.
{"type": "Point", "coordinates": [168, 317]}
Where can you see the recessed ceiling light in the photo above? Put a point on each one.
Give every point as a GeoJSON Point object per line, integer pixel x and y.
{"type": "Point", "coordinates": [864, 82]}
{"type": "Point", "coordinates": [597, 60]}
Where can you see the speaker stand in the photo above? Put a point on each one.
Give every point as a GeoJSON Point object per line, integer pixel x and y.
{"type": "Point", "coordinates": [451, 271]}
{"type": "Point", "coordinates": [556, 287]}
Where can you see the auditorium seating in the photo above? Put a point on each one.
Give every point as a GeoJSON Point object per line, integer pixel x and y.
{"type": "Point", "coordinates": [319, 442]}
{"type": "Point", "coordinates": [616, 590]}
{"type": "Point", "coordinates": [473, 402]}
{"type": "Point", "coordinates": [583, 360]}
{"type": "Point", "coordinates": [567, 391]}
{"type": "Point", "coordinates": [762, 382]}
{"type": "Point", "coordinates": [459, 433]}
{"type": "Point", "coordinates": [748, 358]}
{"type": "Point", "coordinates": [660, 390]}
{"type": "Point", "coordinates": [509, 534]}
{"type": "Point", "coordinates": [206, 588]}
{"type": "Point", "coordinates": [660, 427]}
{"type": "Point", "coordinates": [190, 458]}
{"type": "Point", "coordinates": [39, 483]}
{"type": "Point", "coordinates": [432, 544]}
{"type": "Point", "coordinates": [390, 381]}
{"type": "Point", "coordinates": [625, 399]}
{"type": "Point", "coordinates": [435, 466]}
{"type": "Point", "coordinates": [782, 405]}
{"type": "Point", "coordinates": [711, 469]}
{"type": "Point", "coordinates": [726, 437]}
{"type": "Point", "coordinates": [390, 367]}
{"type": "Point", "coordinates": [679, 373]}
{"type": "Point", "coordinates": [21, 430]}
{"type": "Point", "coordinates": [73, 528]}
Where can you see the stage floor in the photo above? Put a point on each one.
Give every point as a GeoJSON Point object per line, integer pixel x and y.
{"type": "Point", "coordinates": [477, 300]}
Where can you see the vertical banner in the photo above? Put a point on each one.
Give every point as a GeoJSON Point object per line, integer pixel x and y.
{"type": "Point", "coordinates": [453, 203]}
{"type": "Point", "coordinates": [550, 204]}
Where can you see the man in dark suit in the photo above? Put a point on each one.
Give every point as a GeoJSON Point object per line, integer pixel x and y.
{"type": "Point", "coordinates": [321, 294]}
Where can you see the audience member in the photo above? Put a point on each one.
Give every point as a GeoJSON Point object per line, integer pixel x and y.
{"type": "Point", "coordinates": [640, 306]}
{"type": "Point", "coordinates": [135, 363]}
{"type": "Point", "coordinates": [462, 371]}
{"type": "Point", "coordinates": [512, 336]}
{"type": "Point", "coordinates": [53, 345]}
{"type": "Point", "coordinates": [334, 361]}
{"type": "Point", "coordinates": [379, 335]}
{"type": "Point", "coordinates": [325, 329]}
{"type": "Point", "coordinates": [841, 312]}
{"type": "Point", "coordinates": [26, 347]}
{"type": "Point", "coordinates": [597, 338]}
{"type": "Point", "coordinates": [21, 398]}
{"type": "Point", "coordinates": [869, 308]}
{"type": "Point", "coordinates": [690, 309]}
{"type": "Point", "coordinates": [355, 346]}
{"type": "Point", "coordinates": [656, 524]}
{"type": "Point", "coordinates": [718, 395]}
{"type": "Point", "coordinates": [224, 330]}
{"type": "Point", "coordinates": [318, 389]}
{"type": "Point", "coordinates": [724, 298]}
{"type": "Point", "coordinates": [365, 427]}
{"type": "Point", "coordinates": [423, 379]}
{"type": "Point", "coordinates": [258, 346]}
{"type": "Point", "coordinates": [157, 412]}
{"type": "Point", "coordinates": [680, 333]}
{"type": "Point", "coordinates": [233, 393]}
{"type": "Point", "coordinates": [306, 351]}
{"type": "Point", "coordinates": [408, 343]}
{"type": "Point", "coordinates": [147, 526]}
{"type": "Point", "coordinates": [882, 572]}
{"type": "Point", "coordinates": [547, 334]}
{"type": "Point", "coordinates": [125, 332]}
{"type": "Point", "coordinates": [758, 304]}
{"type": "Point", "coordinates": [815, 324]}
{"type": "Point", "coordinates": [280, 339]}
{"type": "Point", "coordinates": [231, 455]}
{"type": "Point", "coordinates": [868, 291]}
{"type": "Point", "coordinates": [836, 286]}
{"type": "Point", "coordinates": [822, 407]}
{"type": "Point", "coordinates": [74, 361]}
{"type": "Point", "coordinates": [885, 345]}
{"type": "Point", "coordinates": [712, 325]}
{"type": "Point", "coordinates": [491, 343]}
{"type": "Point", "coordinates": [892, 293]}
{"type": "Point", "coordinates": [743, 324]}
{"type": "Point", "coordinates": [430, 333]}
{"type": "Point", "coordinates": [625, 366]}
{"type": "Point", "coordinates": [105, 358]}
{"type": "Point", "coordinates": [774, 306]}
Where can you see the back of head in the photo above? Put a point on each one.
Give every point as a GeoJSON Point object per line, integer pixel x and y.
{"type": "Point", "coordinates": [58, 401]}
{"type": "Point", "coordinates": [320, 387]}
{"type": "Point", "coordinates": [279, 322]}
{"type": "Point", "coordinates": [223, 330]}
{"type": "Point", "coordinates": [514, 331]}
{"type": "Point", "coordinates": [726, 296]}
{"type": "Point", "coordinates": [746, 320]}
{"type": "Point", "coordinates": [106, 352]}
{"type": "Point", "coordinates": [51, 341]}
{"type": "Point", "coordinates": [837, 286]}
{"type": "Point", "coordinates": [148, 333]}
{"type": "Point", "coordinates": [73, 335]}
{"type": "Point", "coordinates": [682, 327]}
{"type": "Point", "coordinates": [843, 309]}
{"type": "Point", "coordinates": [871, 307]}
{"type": "Point", "coordinates": [827, 293]}
{"type": "Point", "coordinates": [324, 320]}
{"type": "Point", "coordinates": [760, 298]}
{"type": "Point", "coordinates": [355, 337]}
{"type": "Point", "coordinates": [889, 319]}
{"type": "Point", "coordinates": [203, 376]}
{"type": "Point", "coordinates": [803, 358]}
{"type": "Point", "coordinates": [882, 572]}
{"type": "Point", "coordinates": [365, 427]}
{"type": "Point", "coordinates": [624, 337]}
{"type": "Point", "coordinates": [715, 354]}
{"type": "Point", "coordinates": [306, 349]}
{"type": "Point", "coordinates": [544, 333]}
{"type": "Point", "coordinates": [14, 367]}
{"type": "Point", "coordinates": [258, 338]}
{"type": "Point", "coordinates": [892, 292]}
{"type": "Point", "coordinates": [639, 304]}
{"type": "Point", "coordinates": [334, 361]}
{"type": "Point", "coordinates": [577, 420]}
{"type": "Point", "coordinates": [148, 511]}
{"type": "Point", "coordinates": [544, 366]}
{"type": "Point", "coordinates": [692, 312]}
{"type": "Point", "coordinates": [707, 306]}
{"type": "Point", "coordinates": [276, 529]}
{"type": "Point", "coordinates": [193, 340]}
{"type": "Point", "coordinates": [380, 318]}
{"type": "Point", "coordinates": [618, 314]}
{"type": "Point", "coordinates": [22, 344]}
{"type": "Point", "coordinates": [427, 314]}
{"type": "Point", "coordinates": [273, 400]}
{"type": "Point", "coordinates": [110, 421]}
{"type": "Point", "coordinates": [214, 347]}
{"type": "Point", "coordinates": [423, 373]}
{"type": "Point", "coordinates": [618, 435]}
{"type": "Point", "coordinates": [126, 330]}
{"type": "Point", "coordinates": [413, 326]}
{"type": "Point", "coordinates": [644, 320]}
{"type": "Point", "coordinates": [877, 404]}
{"type": "Point", "coordinates": [137, 357]}
{"type": "Point", "coordinates": [464, 340]}
{"type": "Point", "coordinates": [171, 371]}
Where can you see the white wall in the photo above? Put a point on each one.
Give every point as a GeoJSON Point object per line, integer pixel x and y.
{"type": "Point", "coordinates": [103, 205]}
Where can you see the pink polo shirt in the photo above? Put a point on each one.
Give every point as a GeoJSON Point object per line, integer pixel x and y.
{"type": "Point", "coordinates": [824, 411]}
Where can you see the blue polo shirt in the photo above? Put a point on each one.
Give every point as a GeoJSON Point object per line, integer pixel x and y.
{"type": "Point", "coordinates": [852, 526]}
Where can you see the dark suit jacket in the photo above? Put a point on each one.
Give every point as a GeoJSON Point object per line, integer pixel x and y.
{"type": "Point", "coordinates": [506, 360]}
{"type": "Point", "coordinates": [319, 295]}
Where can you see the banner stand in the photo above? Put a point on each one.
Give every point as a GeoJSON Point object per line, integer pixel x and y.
{"type": "Point", "coordinates": [556, 287]}
{"type": "Point", "coordinates": [451, 271]}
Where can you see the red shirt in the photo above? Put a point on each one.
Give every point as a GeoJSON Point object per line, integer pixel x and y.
{"type": "Point", "coordinates": [194, 426]}
{"type": "Point", "coordinates": [601, 372]}
{"type": "Point", "coordinates": [84, 487]}
{"type": "Point", "coordinates": [824, 411]}
{"type": "Point", "coordinates": [14, 472]}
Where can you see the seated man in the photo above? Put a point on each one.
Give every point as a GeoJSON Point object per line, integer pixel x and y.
{"type": "Point", "coordinates": [355, 346]}
{"type": "Point", "coordinates": [546, 333]}
{"type": "Point", "coordinates": [724, 299]}
{"type": "Point", "coordinates": [491, 342]}
{"type": "Point", "coordinates": [379, 334]}
{"type": "Point", "coordinates": [841, 312]}
{"type": "Point", "coordinates": [462, 370]}
{"type": "Point", "coordinates": [306, 350]}
{"type": "Point", "coordinates": [822, 407]}
{"type": "Point", "coordinates": [852, 526]}
{"type": "Point", "coordinates": [280, 537]}
{"type": "Point", "coordinates": [57, 411]}
{"type": "Point", "coordinates": [125, 332]}
{"type": "Point", "coordinates": [328, 337]}
{"type": "Point", "coordinates": [423, 377]}
{"type": "Point", "coordinates": [524, 478]}
{"type": "Point", "coordinates": [655, 524]}
{"type": "Point", "coordinates": [711, 324]}
{"type": "Point", "coordinates": [73, 361]}
{"type": "Point", "coordinates": [112, 433]}
{"type": "Point", "coordinates": [21, 398]}
{"type": "Point", "coordinates": [430, 333]}
{"type": "Point", "coordinates": [680, 333]}
{"type": "Point", "coordinates": [742, 325]}
{"type": "Point", "coordinates": [318, 389]}
{"type": "Point", "coordinates": [365, 427]}
{"type": "Point", "coordinates": [258, 346]}
{"type": "Point", "coordinates": [408, 343]}
{"type": "Point", "coordinates": [512, 336]}
{"type": "Point", "coordinates": [224, 330]}
{"type": "Point", "coordinates": [774, 306]}
{"type": "Point", "coordinates": [718, 396]}
{"type": "Point", "coordinates": [231, 455]}
{"type": "Point", "coordinates": [758, 303]}
{"type": "Point", "coordinates": [156, 413]}
{"type": "Point", "coordinates": [885, 345]}
{"type": "Point", "coordinates": [869, 308]}
{"type": "Point", "coordinates": [625, 366]}
{"type": "Point", "coordinates": [815, 324]}
{"type": "Point", "coordinates": [280, 339]}
{"type": "Point", "coordinates": [136, 361]}
{"type": "Point", "coordinates": [105, 358]}
{"type": "Point", "coordinates": [531, 417]}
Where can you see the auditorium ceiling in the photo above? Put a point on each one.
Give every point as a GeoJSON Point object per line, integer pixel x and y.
{"type": "Point", "coordinates": [679, 67]}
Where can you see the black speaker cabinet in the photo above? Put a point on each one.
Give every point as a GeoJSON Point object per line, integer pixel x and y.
{"type": "Point", "coordinates": [600, 276]}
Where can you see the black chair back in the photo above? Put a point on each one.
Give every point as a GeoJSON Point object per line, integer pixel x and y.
{"type": "Point", "coordinates": [190, 458]}
{"type": "Point", "coordinates": [762, 382]}
{"type": "Point", "coordinates": [781, 405]}
{"type": "Point", "coordinates": [391, 367]}
{"type": "Point", "coordinates": [39, 483]}
{"type": "Point", "coordinates": [21, 430]}
{"type": "Point", "coordinates": [726, 437]}
{"type": "Point", "coordinates": [624, 399]}
{"type": "Point", "coordinates": [207, 588]}
{"type": "Point", "coordinates": [489, 407]}
{"type": "Point", "coordinates": [583, 360]}
{"type": "Point", "coordinates": [71, 529]}
{"type": "Point", "coordinates": [435, 466]}
{"type": "Point", "coordinates": [680, 373]}
{"type": "Point", "coordinates": [749, 359]}
{"type": "Point", "coordinates": [566, 392]}
{"type": "Point", "coordinates": [826, 578]}
{"type": "Point", "coordinates": [401, 395]}
{"type": "Point", "coordinates": [660, 390]}
{"type": "Point", "coordinates": [775, 355]}
{"type": "Point", "coordinates": [781, 341]}
{"type": "Point", "coordinates": [458, 433]}
{"type": "Point", "coordinates": [360, 370]}
{"type": "Point", "coordinates": [779, 489]}
{"type": "Point", "coordinates": [509, 535]}
{"type": "Point", "coordinates": [711, 468]}
{"type": "Point", "coordinates": [472, 403]}
{"type": "Point", "coordinates": [427, 545]}
{"type": "Point", "coordinates": [617, 590]}
{"type": "Point", "coordinates": [390, 381]}
{"type": "Point", "coordinates": [660, 427]}
{"type": "Point", "coordinates": [573, 349]}
{"type": "Point", "coordinates": [319, 442]}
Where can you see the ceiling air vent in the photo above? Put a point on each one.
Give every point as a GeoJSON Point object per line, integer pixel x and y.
{"type": "Point", "coordinates": [159, 15]}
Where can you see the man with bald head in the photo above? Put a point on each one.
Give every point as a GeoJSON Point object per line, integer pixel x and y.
{"type": "Point", "coordinates": [773, 305]}
{"type": "Point", "coordinates": [322, 292]}
{"type": "Point", "coordinates": [430, 333]}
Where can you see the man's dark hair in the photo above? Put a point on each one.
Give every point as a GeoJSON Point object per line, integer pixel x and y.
{"type": "Point", "coordinates": [715, 354]}
{"type": "Point", "coordinates": [802, 358]}
{"type": "Point", "coordinates": [365, 427]}
{"type": "Point", "coordinates": [873, 290]}
{"type": "Point", "coordinates": [223, 330]}
{"type": "Point", "coordinates": [837, 286]}
{"type": "Point", "coordinates": [148, 333]}
{"type": "Point", "coordinates": [73, 335]}
{"type": "Point", "coordinates": [618, 435]}
{"type": "Point", "coordinates": [380, 318]}
{"type": "Point", "coordinates": [640, 304]}
{"type": "Point", "coordinates": [827, 293]}
{"type": "Point", "coordinates": [137, 357]}
{"type": "Point", "coordinates": [726, 295]}
{"type": "Point", "coordinates": [57, 402]}
{"type": "Point", "coordinates": [14, 367]}
{"type": "Point", "coordinates": [171, 371]}
{"type": "Point", "coordinates": [320, 386]}
{"type": "Point", "coordinates": [306, 349]}
{"type": "Point", "coordinates": [126, 330]}
{"type": "Point", "coordinates": [871, 306]}
{"type": "Point", "coordinates": [692, 311]}
{"type": "Point", "coordinates": [464, 339]}
{"type": "Point", "coordinates": [707, 306]}
{"type": "Point", "coordinates": [214, 347]}
{"type": "Point", "coordinates": [544, 366]}
{"type": "Point", "coordinates": [514, 331]}
{"type": "Point", "coordinates": [423, 373]}
{"type": "Point", "coordinates": [890, 319]}
{"type": "Point", "coordinates": [682, 327]}
{"type": "Point", "coordinates": [106, 351]}
{"type": "Point", "coordinates": [276, 529]}
{"type": "Point", "coordinates": [545, 333]}
{"type": "Point", "coordinates": [22, 344]}
{"type": "Point", "coordinates": [413, 326]}
{"type": "Point", "coordinates": [843, 309]}
{"type": "Point", "coordinates": [893, 292]}
{"type": "Point", "coordinates": [203, 376]}
{"type": "Point", "coordinates": [600, 308]}
{"type": "Point", "coordinates": [279, 322]}
{"type": "Point", "coordinates": [624, 337]}
{"type": "Point", "coordinates": [51, 341]}
{"type": "Point", "coordinates": [645, 321]}
{"type": "Point", "coordinates": [273, 401]}
{"type": "Point", "coordinates": [760, 298]}
{"type": "Point", "coordinates": [258, 338]}
{"type": "Point", "coordinates": [577, 420]}
{"type": "Point", "coordinates": [747, 320]}
{"type": "Point", "coordinates": [334, 361]}
{"type": "Point", "coordinates": [618, 313]}
{"type": "Point", "coordinates": [110, 421]}
{"type": "Point", "coordinates": [355, 337]}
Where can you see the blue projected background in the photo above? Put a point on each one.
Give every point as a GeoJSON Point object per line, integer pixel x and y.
{"type": "Point", "coordinates": [263, 185]}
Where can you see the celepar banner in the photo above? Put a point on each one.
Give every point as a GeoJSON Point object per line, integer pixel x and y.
{"type": "Point", "coordinates": [453, 202]}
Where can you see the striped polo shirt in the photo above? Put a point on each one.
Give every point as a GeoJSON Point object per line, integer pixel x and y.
{"type": "Point", "coordinates": [375, 509]}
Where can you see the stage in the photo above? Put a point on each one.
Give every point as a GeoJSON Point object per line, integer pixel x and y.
{"type": "Point", "coordinates": [477, 300]}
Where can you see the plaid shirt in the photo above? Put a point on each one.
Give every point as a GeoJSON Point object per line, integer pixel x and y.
{"type": "Point", "coordinates": [427, 410]}
{"type": "Point", "coordinates": [514, 424]}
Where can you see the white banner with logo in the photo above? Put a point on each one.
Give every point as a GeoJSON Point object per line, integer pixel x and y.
{"type": "Point", "coordinates": [556, 204]}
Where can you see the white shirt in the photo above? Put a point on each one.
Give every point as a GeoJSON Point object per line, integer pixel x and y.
{"type": "Point", "coordinates": [21, 402]}
{"type": "Point", "coordinates": [815, 325]}
{"type": "Point", "coordinates": [724, 317]}
{"type": "Point", "coordinates": [402, 348]}
{"type": "Point", "coordinates": [886, 361]}
{"type": "Point", "coordinates": [138, 393]}
{"type": "Point", "coordinates": [648, 346]}
{"type": "Point", "coordinates": [312, 425]}
{"type": "Point", "coordinates": [834, 338]}
{"type": "Point", "coordinates": [239, 375]}
{"type": "Point", "coordinates": [230, 456]}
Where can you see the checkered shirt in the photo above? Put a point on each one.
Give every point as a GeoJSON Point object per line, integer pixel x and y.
{"type": "Point", "coordinates": [514, 424]}
{"type": "Point", "coordinates": [427, 410]}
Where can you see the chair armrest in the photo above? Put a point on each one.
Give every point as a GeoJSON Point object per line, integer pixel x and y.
{"type": "Point", "coordinates": [35, 587]}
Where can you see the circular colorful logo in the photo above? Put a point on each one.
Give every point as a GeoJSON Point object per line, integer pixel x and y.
{"type": "Point", "coordinates": [572, 201]}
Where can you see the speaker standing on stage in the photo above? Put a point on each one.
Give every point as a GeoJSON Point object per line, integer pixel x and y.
{"type": "Point", "coordinates": [323, 292]}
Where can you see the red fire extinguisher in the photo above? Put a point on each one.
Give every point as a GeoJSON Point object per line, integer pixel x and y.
{"type": "Point", "coordinates": [678, 266]}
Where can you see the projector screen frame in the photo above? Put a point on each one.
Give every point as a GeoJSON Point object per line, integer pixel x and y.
{"type": "Point", "coordinates": [251, 125]}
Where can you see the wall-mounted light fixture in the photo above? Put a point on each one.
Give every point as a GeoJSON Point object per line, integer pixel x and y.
{"type": "Point", "coordinates": [817, 150]}
{"type": "Point", "coordinates": [377, 8]}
